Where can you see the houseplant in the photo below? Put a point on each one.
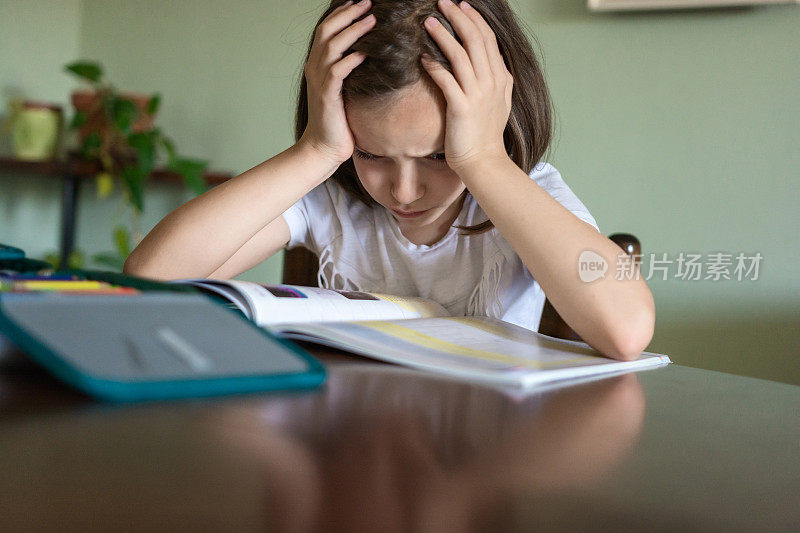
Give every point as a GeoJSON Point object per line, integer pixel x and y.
{"type": "Point", "coordinates": [117, 130]}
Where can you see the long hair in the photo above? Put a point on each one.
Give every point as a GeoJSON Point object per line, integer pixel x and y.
{"type": "Point", "coordinates": [394, 47]}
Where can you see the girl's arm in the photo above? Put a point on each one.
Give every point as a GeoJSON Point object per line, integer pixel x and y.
{"type": "Point", "coordinates": [616, 317]}
{"type": "Point", "coordinates": [235, 225]}
{"type": "Point", "coordinates": [238, 224]}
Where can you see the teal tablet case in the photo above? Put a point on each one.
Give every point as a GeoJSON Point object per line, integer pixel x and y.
{"type": "Point", "coordinates": [152, 346]}
{"type": "Point", "coordinates": [169, 341]}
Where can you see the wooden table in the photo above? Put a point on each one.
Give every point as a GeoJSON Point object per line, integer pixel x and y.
{"type": "Point", "coordinates": [383, 448]}
{"type": "Point", "coordinates": [72, 171]}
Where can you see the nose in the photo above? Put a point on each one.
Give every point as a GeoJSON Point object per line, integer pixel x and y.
{"type": "Point", "coordinates": [407, 187]}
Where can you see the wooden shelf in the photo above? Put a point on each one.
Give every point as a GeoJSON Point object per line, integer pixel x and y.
{"type": "Point", "coordinates": [71, 170]}
{"type": "Point", "coordinates": [80, 168]}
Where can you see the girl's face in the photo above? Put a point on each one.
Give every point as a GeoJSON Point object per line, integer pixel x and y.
{"type": "Point", "coordinates": [399, 158]}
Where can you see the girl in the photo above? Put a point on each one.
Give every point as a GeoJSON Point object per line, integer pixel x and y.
{"type": "Point", "coordinates": [417, 171]}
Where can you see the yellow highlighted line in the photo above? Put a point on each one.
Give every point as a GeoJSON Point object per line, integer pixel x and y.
{"type": "Point", "coordinates": [510, 335]}
{"type": "Point", "coordinates": [438, 344]}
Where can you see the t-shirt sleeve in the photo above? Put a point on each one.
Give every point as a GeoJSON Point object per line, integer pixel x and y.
{"type": "Point", "coordinates": [549, 179]}
{"type": "Point", "coordinates": [310, 219]}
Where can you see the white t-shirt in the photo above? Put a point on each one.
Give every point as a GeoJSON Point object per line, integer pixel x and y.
{"type": "Point", "coordinates": [361, 248]}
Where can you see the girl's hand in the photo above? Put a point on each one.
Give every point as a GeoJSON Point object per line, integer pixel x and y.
{"type": "Point", "coordinates": [478, 94]}
{"type": "Point", "coordinates": [327, 130]}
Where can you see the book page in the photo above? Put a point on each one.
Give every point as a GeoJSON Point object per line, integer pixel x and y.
{"type": "Point", "coordinates": [475, 347]}
{"type": "Point", "coordinates": [226, 291]}
{"type": "Point", "coordinates": [268, 304]}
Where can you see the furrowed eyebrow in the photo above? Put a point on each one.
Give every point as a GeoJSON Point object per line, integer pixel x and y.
{"type": "Point", "coordinates": [376, 155]}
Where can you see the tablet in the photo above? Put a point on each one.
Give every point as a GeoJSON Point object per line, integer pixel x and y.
{"type": "Point", "coordinates": [153, 345]}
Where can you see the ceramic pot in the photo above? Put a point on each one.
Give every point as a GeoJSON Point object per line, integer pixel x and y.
{"type": "Point", "coordinates": [36, 131]}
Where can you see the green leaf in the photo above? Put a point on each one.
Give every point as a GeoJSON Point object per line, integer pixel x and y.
{"type": "Point", "coordinates": [78, 120]}
{"type": "Point", "coordinates": [105, 184]}
{"type": "Point", "coordinates": [87, 70]}
{"type": "Point", "coordinates": [152, 105]}
{"type": "Point", "coordinates": [133, 178]}
{"type": "Point", "coordinates": [169, 147]}
{"type": "Point", "coordinates": [54, 259]}
{"type": "Point", "coordinates": [91, 144]}
{"type": "Point", "coordinates": [122, 240]}
{"type": "Point", "coordinates": [193, 171]}
{"type": "Point", "coordinates": [156, 136]}
{"type": "Point", "coordinates": [112, 261]}
{"type": "Point", "coordinates": [145, 147]}
{"type": "Point", "coordinates": [76, 260]}
{"type": "Point", "coordinates": [124, 113]}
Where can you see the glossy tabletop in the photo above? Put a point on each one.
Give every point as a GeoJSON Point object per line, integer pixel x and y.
{"type": "Point", "coordinates": [383, 448]}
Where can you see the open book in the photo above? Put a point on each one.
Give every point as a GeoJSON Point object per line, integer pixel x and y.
{"type": "Point", "coordinates": [418, 333]}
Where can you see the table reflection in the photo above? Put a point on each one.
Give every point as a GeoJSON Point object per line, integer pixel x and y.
{"type": "Point", "coordinates": [385, 447]}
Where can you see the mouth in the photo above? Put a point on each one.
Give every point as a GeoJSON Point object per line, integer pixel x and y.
{"type": "Point", "coordinates": [409, 214]}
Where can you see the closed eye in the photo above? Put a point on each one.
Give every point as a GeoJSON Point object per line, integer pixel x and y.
{"type": "Point", "coordinates": [363, 155]}
{"type": "Point", "coordinates": [436, 158]}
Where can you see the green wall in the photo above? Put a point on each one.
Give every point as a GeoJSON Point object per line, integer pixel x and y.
{"type": "Point", "coordinates": [29, 64]}
{"type": "Point", "coordinates": [680, 127]}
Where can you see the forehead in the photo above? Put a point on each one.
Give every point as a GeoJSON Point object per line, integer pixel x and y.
{"type": "Point", "coordinates": [411, 124]}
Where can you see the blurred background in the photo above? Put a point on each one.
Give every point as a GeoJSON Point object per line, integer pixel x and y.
{"type": "Point", "coordinates": [681, 127]}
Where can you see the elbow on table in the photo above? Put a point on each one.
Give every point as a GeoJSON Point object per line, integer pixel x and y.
{"type": "Point", "coordinates": [135, 267]}
{"type": "Point", "coordinates": [132, 269]}
{"type": "Point", "coordinates": [629, 339]}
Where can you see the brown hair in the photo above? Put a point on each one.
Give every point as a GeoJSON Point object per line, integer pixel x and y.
{"type": "Point", "coordinates": [393, 49]}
